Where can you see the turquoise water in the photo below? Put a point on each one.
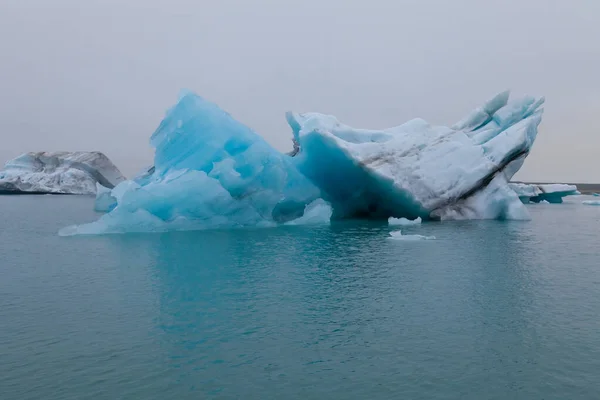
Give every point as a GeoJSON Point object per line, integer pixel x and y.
{"type": "Point", "coordinates": [489, 310]}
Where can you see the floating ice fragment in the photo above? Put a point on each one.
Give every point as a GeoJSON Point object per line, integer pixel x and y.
{"type": "Point", "coordinates": [403, 221]}
{"type": "Point", "coordinates": [317, 212]}
{"type": "Point", "coordinates": [397, 235]}
{"type": "Point", "coordinates": [591, 202]}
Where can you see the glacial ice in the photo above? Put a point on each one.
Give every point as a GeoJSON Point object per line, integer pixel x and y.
{"type": "Point", "coordinates": [105, 201]}
{"type": "Point", "coordinates": [536, 193]}
{"type": "Point", "coordinates": [59, 173]}
{"type": "Point", "coordinates": [211, 171]}
{"type": "Point", "coordinates": [420, 170]}
{"type": "Point", "coordinates": [403, 221]}
{"type": "Point", "coordinates": [317, 212]}
{"type": "Point", "coordinates": [397, 235]}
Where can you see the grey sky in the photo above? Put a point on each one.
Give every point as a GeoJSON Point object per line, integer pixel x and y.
{"type": "Point", "coordinates": [99, 74]}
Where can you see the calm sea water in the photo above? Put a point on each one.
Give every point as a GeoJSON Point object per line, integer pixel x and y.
{"type": "Point", "coordinates": [489, 310]}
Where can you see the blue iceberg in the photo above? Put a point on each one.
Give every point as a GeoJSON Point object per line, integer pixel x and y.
{"type": "Point", "coordinates": [211, 171]}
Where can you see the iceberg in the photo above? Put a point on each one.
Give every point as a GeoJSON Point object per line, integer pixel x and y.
{"type": "Point", "coordinates": [211, 171]}
{"type": "Point", "coordinates": [421, 170]}
{"type": "Point", "coordinates": [538, 193]}
{"type": "Point", "coordinates": [397, 235]}
{"type": "Point", "coordinates": [59, 173]}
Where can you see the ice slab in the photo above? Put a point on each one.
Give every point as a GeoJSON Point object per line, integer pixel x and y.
{"type": "Point", "coordinates": [210, 171]}
{"type": "Point", "coordinates": [59, 173]}
{"type": "Point", "coordinates": [397, 235]}
{"type": "Point", "coordinates": [591, 202]}
{"type": "Point", "coordinates": [421, 170]}
{"type": "Point", "coordinates": [403, 221]}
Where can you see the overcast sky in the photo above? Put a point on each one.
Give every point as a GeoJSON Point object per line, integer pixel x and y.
{"type": "Point", "coordinates": [99, 74]}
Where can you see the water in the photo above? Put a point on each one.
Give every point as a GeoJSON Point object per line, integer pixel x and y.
{"type": "Point", "coordinates": [489, 310]}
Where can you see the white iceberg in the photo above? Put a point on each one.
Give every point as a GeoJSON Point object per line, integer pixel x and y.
{"type": "Point", "coordinates": [403, 221]}
{"type": "Point", "coordinates": [538, 193]}
{"type": "Point", "coordinates": [59, 173]}
{"type": "Point", "coordinates": [397, 235]}
{"type": "Point", "coordinates": [420, 170]}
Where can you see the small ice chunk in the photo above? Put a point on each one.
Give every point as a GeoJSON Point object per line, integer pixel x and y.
{"type": "Point", "coordinates": [591, 202]}
{"type": "Point", "coordinates": [317, 212]}
{"type": "Point", "coordinates": [403, 221]}
{"type": "Point", "coordinates": [397, 235]}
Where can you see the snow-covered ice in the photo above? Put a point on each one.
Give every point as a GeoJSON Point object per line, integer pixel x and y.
{"type": "Point", "coordinates": [403, 221]}
{"type": "Point", "coordinates": [59, 172]}
{"type": "Point", "coordinates": [397, 235]}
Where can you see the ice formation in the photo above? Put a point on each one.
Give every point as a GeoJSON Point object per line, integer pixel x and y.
{"type": "Point", "coordinates": [317, 212]}
{"type": "Point", "coordinates": [591, 202]}
{"type": "Point", "coordinates": [211, 171]}
{"type": "Point", "coordinates": [420, 170]}
{"type": "Point", "coordinates": [536, 193]}
{"type": "Point", "coordinates": [403, 221]}
{"type": "Point", "coordinates": [104, 199]}
{"type": "Point", "coordinates": [397, 235]}
{"type": "Point", "coordinates": [60, 173]}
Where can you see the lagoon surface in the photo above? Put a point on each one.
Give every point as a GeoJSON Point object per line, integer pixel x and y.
{"type": "Point", "coordinates": [488, 310]}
